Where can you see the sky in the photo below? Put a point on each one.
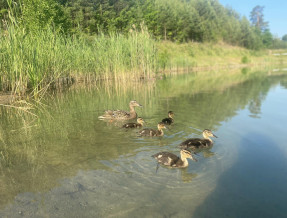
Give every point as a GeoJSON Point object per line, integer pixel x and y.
{"type": "Point", "coordinates": [275, 12]}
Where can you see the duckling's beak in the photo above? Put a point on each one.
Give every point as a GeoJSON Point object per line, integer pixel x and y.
{"type": "Point", "coordinates": [214, 136]}
{"type": "Point", "coordinates": [140, 105]}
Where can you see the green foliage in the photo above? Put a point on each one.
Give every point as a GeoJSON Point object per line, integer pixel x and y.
{"type": "Point", "coordinates": [175, 20]}
{"type": "Point", "coordinates": [42, 14]}
{"type": "Point", "coordinates": [105, 38]}
{"type": "Point", "coordinates": [284, 38]}
{"type": "Point", "coordinates": [267, 38]}
{"type": "Point", "coordinates": [244, 60]}
{"type": "Point", "coordinates": [34, 60]}
{"type": "Point", "coordinates": [163, 58]}
{"type": "Point", "coordinates": [278, 43]}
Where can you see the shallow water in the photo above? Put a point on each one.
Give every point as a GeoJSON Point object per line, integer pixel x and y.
{"type": "Point", "coordinates": [67, 163]}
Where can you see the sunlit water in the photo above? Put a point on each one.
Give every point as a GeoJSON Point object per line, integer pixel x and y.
{"type": "Point", "coordinates": [67, 163]}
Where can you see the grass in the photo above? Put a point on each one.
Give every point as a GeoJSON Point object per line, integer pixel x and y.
{"type": "Point", "coordinates": [173, 56]}
{"type": "Point", "coordinates": [32, 63]}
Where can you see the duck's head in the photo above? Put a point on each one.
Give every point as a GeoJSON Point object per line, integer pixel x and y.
{"type": "Point", "coordinates": [208, 133]}
{"type": "Point", "coordinates": [170, 114]}
{"type": "Point", "coordinates": [140, 120]}
{"type": "Point", "coordinates": [134, 103]}
{"type": "Point", "coordinates": [187, 154]}
{"type": "Point", "coordinates": [161, 125]}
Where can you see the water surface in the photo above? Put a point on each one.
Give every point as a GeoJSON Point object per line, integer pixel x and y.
{"type": "Point", "coordinates": [67, 163]}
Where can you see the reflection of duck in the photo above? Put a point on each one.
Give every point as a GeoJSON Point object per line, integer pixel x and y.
{"type": "Point", "coordinates": [168, 120]}
{"type": "Point", "coordinates": [139, 124]}
{"type": "Point", "coordinates": [153, 132]}
{"type": "Point", "coordinates": [187, 176]}
{"type": "Point", "coordinates": [196, 143]}
{"type": "Point", "coordinates": [170, 159]}
{"type": "Point", "coordinates": [122, 115]}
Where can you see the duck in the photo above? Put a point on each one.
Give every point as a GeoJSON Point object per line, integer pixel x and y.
{"type": "Point", "coordinates": [153, 132]}
{"type": "Point", "coordinates": [168, 120]}
{"type": "Point", "coordinates": [120, 114]}
{"type": "Point", "coordinates": [139, 124]}
{"type": "Point", "coordinates": [171, 160]}
{"type": "Point", "coordinates": [197, 143]}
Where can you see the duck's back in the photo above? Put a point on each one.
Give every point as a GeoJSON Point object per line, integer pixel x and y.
{"type": "Point", "coordinates": [166, 158]}
{"type": "Point", "coordinates": [168, 121]}
{"type": "Point", "coordinates": [148, 132]}
{"type": "Point", "coordinates": [195, 143]}
{"type": "Point", "coordinates": [131, 125]}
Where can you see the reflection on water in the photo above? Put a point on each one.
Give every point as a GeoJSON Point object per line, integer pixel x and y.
{"type": "Point", "coordinates": [66, 162]}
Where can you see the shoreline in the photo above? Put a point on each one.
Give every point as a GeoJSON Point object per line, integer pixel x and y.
{"type": "Point", "coordinates": [8, 97]}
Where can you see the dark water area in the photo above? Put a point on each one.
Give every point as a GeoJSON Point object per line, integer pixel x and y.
{"type": "Point", "coordinates": [65, 162]}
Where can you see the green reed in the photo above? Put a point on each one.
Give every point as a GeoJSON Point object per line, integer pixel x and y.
{"type": "Point", "coordinates": [35, 61]}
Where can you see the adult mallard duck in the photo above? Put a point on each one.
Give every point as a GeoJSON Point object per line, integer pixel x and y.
{"type": "Point", "coordinates": [120, 114]}
{"type": "Point", "coordinates": [153, 132]}
{"type": "Point", "coordinates": [170, 159]}
{"type": "Point", "coordinates": [139, 124]}
{"type": "Point", "coordinates": [169, 120]}
{"type": "Point", "coordinates": [197, 143]}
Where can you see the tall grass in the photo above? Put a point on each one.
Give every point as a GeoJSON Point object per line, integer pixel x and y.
{"type": "Point", "coordinates": [34, 61]}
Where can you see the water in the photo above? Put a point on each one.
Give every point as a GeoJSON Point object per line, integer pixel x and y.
{"type": "Point", "coordinates": [67, 163]}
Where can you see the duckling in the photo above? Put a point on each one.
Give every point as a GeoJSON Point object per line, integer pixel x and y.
{"type": "Point", "coordinates": [168, 120]}
{"type": "Point", "coordinates": [170, 159]}
{"type": "Point", "coordinates": [152, 132]}
{"type": "Point", "coordinates": [139, 124]}
{"type": "Point", "coordinates": [196, 143]}
{"type": "Point", "coordinates": [120, 114]}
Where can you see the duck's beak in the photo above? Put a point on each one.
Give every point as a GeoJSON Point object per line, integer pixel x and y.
{"type": "Point", "coordinates": [140, 105]}
{"type": "Point", "coordinates": [214, 135]}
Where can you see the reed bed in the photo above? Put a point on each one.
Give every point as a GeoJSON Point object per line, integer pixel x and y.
{"type": "Point", "coordinates": [35, 61]}
{"type": "Point", "coordinates": [32, 63]}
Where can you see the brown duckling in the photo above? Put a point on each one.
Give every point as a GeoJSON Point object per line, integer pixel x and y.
{"type": "Point", "coordinates": [170, 159]}
{"type": "Point", "coordinates": [197, 143]}
{"type": "Point", "coordinates": [169, 120]}
{"type": "Point", "coordinates": [153, 132]}
{"type": "Point", "coordinates": [120, 114]}
{"type": "Point", "coordinates": [139, 124]}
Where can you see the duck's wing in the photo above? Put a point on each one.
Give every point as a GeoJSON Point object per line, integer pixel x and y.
{"type": "Point", "coordinates": [129, 125]}
{"type": "Point", "coordinates": [114, 114]}
{"type": "Point", "coordinates": [167, 121]}
{"type": "Point", "coordinates": [193, 143]}
{"type": "Point", "coordinates": [148, 132]}
{"type": "Point", "coordinates": [166, 158]}
{"type": "Point", "coordinates": [120, 114]}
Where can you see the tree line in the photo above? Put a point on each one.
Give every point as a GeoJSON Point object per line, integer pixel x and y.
{"type": "Point", "coordinates": [175, 20]}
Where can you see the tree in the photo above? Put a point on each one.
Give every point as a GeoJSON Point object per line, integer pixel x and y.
{"type": "Point", "coordinates": [257, 18]}
{"type": "Point", "coordinates": [267, 38]}
{"type": "Point", "coordinates": [284, 38]}
{"type": "Point", "coordinates": [42, 14]}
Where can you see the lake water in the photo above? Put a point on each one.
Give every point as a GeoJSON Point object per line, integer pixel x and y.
{"type": "Point", "coordinates": [67, 163]}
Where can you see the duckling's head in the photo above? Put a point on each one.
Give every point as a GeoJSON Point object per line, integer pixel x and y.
{"type": "Point", "coordinates": [208, 133]}
{"type": "Point", "coordinates": [161, 125]}
{"type": "Point", "coordinates": [170, 114]}
{"type": "Point", "coordinates": [186, 154]}
{"type": "Point", "coordinates": [134, 103]}
{"type": "Point", "coordinates": [140, 120]}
